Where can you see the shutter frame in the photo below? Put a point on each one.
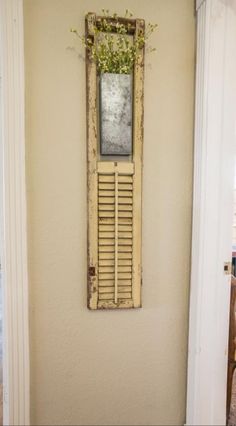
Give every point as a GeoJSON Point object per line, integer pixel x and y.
{"type": "Point", "coordinates": [91, 172]}
{"type": "Point", "coordinates": [138, 115]}
{"type": "Point", "coordinates": [114, 201]}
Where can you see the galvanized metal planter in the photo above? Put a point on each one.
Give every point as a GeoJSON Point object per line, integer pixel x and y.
{"type": "Point", "coordinates": [116, 114]}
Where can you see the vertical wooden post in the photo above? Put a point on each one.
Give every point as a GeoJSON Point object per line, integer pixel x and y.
{"type": "Point", "coordinates": [137, 159]}
{"type": "Point", "coordinates": [92, 173]}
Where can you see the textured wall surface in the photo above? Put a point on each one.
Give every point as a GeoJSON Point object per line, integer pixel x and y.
{"type": "Point", "coordinates": [113, 367]}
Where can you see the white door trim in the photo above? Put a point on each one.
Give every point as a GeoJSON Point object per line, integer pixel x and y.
{"type": "Point", "coordinates": [212, 216]}
{"type": "Point", "coordinates": [215, 143]}
{"type": "Point", "coordinates": [14, 250]}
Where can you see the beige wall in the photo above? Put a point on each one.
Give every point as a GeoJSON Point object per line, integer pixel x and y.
{"type": "Point", "coordinates": [100, 368]}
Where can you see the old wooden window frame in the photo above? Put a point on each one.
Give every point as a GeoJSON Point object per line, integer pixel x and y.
{"type": "Point", "coordinates": [92, 150]}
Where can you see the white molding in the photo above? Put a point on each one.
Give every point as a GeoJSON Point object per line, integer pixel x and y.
{"type": "Point", "coordinates": [199, 3]}
{"type": "Point", "coordinates": [15, 280]}
{"type": "Point", "coordinates": [215, 143]}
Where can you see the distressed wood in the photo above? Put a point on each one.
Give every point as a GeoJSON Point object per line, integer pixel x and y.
{"type": "Point", "coordinates": [116, 234]}
{"type": "Point", "coordinates": [129, 23]}
{"type": "Point", "coordinates": [114, 200]}
{"type": "Point", "coordinates": [114, 278]}
{"type": "Point", "coordinates": [92, 172]}
{"type": "Point", "coordinates": [121, 304]}
{"type": "Point", "coordinates": [104, 167]}
{"type": "Point", "coordinates": [137, 158]}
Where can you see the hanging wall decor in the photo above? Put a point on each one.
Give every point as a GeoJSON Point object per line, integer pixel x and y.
{"type": "Point", "coordinates": [115, 81]}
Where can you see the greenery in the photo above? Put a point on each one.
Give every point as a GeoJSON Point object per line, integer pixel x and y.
{"type": "Point", "coordinates": [113, 49]}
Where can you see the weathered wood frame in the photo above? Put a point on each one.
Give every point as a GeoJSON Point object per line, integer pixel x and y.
{"type": "Point", "coordinates": [135, 27]}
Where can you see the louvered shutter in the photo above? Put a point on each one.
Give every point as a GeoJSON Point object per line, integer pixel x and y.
{"type": "Point", "coordinates": [114, 205]}
{"type": "Point", "coordinates": [115, 234]}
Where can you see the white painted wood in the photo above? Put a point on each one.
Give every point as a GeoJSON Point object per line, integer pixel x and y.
{"type": "Point", "coordinates": [15, 280]}
{"type": "Point", "coordinates": [199, 3]}
{"type": "Point", "coordinates": [215, 145]}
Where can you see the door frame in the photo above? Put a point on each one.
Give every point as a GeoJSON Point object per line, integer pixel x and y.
{"type": "Point", "coordinates": [214, 163]}
{"type": "Point", "coordinates": [212, 212]}
{"type": "Point", "coordinates": [14, 230]}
